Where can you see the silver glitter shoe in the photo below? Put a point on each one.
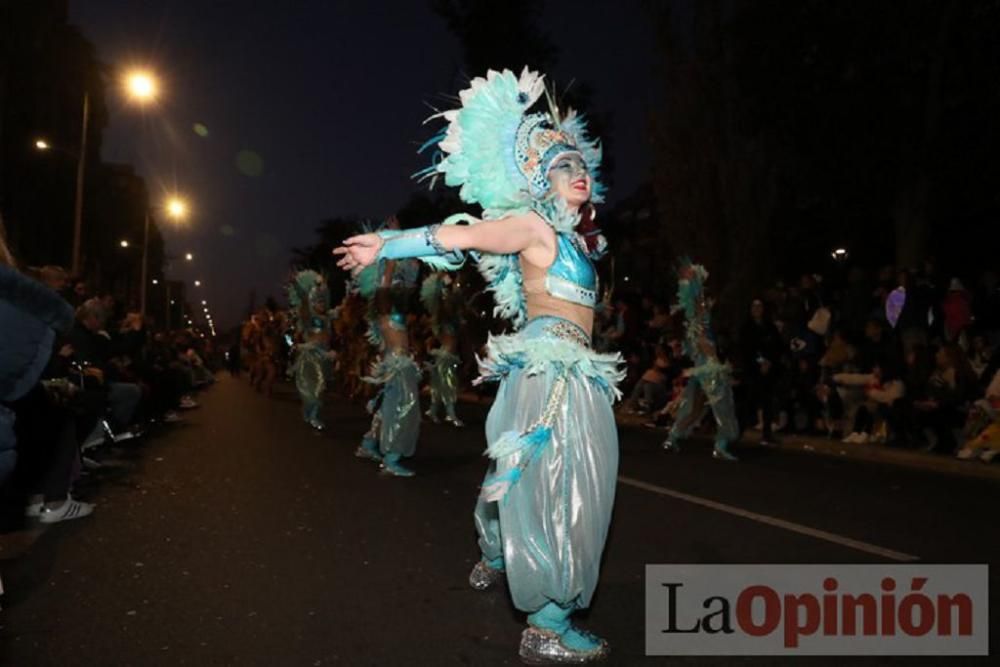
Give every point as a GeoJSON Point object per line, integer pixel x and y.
{"type": "Point", "coordinates": [544, 647]}
{"type": "Point", "coordinates": [483, 576]}
{"type": "Point", "coordinates": [670, 445]}
{"type": "Point", "coordinates": [363, 452]}
{"type": "Point", "coordinates": [455, 421]}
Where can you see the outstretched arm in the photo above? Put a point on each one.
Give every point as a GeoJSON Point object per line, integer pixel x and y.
{"type": "Point", "coordinates": [509, 235]}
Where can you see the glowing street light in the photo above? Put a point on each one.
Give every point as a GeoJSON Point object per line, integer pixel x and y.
{"type": "Point", "coordinates": [123, 243]}
{"type": "Point", "coordinates": [197, 283]}
{"type": "Point", "coordinates": [839, 254]}
{"type": "Point", "coordinates": [176, 208]}
{"type": "Point", "coordinates": [141, 86]}
{"type": "Point", "coordinates": [42, 145]}
{"type": "Point", "coordinates": [155, 281]}
{"type": "Point", "coordinates": [204, 303]}
{"type": "Point", "coordinates": [189, 257]}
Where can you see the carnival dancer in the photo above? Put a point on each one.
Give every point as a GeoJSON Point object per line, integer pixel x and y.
{"type": "Point", "coordinates": [395, 428]}
{"type": "Point", "coordinates": [309, 298]}
{"type": "Point", "coordinates": [438, 295]}
{"type": "Point", "coordinates": [708, 382]}
{"type": "Point", "coordinates": [545, 506]}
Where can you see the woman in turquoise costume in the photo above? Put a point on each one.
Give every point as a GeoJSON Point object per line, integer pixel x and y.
{"type": "Point", "coordinates": [709, 379]}
{"type": "Point", "coordinates": [309, 298]}
{"type": "Point", "coordinates": [545, 506]}
{"type": "Point", "coordinates": [438, 295]}
{"type": "Point", "coordinates": [388, 286]}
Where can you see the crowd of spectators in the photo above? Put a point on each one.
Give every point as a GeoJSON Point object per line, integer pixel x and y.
{"type": "Point", "coordinates": [904, 358]}
{"type": "Point", "coordinates": [81, 378]}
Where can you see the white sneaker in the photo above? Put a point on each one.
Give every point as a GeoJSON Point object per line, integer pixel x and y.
{"type": "Point", "coordinates": [988, 455]}
{"type": "Point", "coordinates": [966, 453]}
{"type": "Point", "coordinates": [69, 510]}
{"type": "Point", "coordinates": [187, 403]}
{"type": "Point", "coordinates": [95, 439]}
{"type": "Point", "coordinates": [172, 417]}
{"type": "Point", "coordinates": [33, 510]}
{"type": "Point", "coordinates": [862, 439]}
{"type": "Point", "coordinates": [90, 464]}
{"type": "Point", "coordinates": [850, 438]}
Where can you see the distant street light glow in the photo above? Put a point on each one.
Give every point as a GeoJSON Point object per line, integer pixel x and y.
{"type": "Point", "coordinates": [42, 145]}
{"type": "Point", "coordinates": [155, 281]}
{"type": "Point", "coordinates": [197, 283]}
{"type": "Point", "coordinates": [189, 257]}
{"type": "Point", "coordinates": [123, 243]}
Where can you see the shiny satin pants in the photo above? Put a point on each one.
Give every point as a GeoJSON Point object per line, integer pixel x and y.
{"type": "Point", "coordinates": [551, 527]}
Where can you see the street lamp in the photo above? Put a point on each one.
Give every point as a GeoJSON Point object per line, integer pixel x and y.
{"type": "Point", "coordinates": [175, 208]}
{"type": "Point", "coordinates": [123, 243]}
{"type": "Point", "coordinates": [189, 257]}
{"type": "Point", "coordinates": [140, 87]}
{"type": "Point", "coordinates": [197, 283]}
{"type": "Point", "coordinates": [42, 145]}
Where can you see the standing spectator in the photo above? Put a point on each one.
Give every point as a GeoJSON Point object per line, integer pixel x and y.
{"type": "Point", "coordinates": [913, 319]}
{"type": "Point", "coordinates": [986, 307]}
{"type": "Point", "coordinates": [957, 311]}
{"type": "Point", "coordinates": [857, 306]}
{"type": "Point", "coordinates": [762, 350]}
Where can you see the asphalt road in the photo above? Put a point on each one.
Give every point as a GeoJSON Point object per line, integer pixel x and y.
{"type": "Point", "coordinates": [243, 538]}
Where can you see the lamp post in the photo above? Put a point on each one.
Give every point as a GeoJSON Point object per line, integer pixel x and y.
{"type": "Point", "coordinates": [176, 208]}
{"type": "Point", "coordinates": [140, 87]}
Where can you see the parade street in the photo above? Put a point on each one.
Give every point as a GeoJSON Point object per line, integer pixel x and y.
{"type": "Point", "coordinates": [242, 537]}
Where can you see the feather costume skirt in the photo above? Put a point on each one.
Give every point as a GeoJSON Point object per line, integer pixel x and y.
{"type": "Point", "coordinates": [398, 415]}
{"type": "Point", "coordinates": [310, 371]}
{"type": "Point", "coordinates": [547, 499]}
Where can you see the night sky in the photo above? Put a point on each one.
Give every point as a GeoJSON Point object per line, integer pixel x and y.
{"type": "Point", "coordinates": [313, 110]}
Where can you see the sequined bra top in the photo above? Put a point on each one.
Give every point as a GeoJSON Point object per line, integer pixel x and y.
{"type": "Point", "coordinates": [571, 277]}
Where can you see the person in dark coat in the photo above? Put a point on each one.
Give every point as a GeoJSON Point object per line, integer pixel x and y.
{"type": "Point", "coordinates": [762, 350]}
{"type": "Point", "coordinates": [30, 316]}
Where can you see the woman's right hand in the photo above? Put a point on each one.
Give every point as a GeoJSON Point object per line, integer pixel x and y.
{"type": "Point", "coordinates": [358, 252]}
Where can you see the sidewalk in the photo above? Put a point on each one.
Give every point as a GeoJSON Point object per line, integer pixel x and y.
{"type": "Point", "coordinates": [874, 453]}
{"type": "Point", "coordinates": [871, 452]}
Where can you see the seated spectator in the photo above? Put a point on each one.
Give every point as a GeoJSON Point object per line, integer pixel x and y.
{"type": "Point", "coordinates": [652, 390]}
{"type": "Point", "coordinates": [873, 414]}
{"type": "Point", "coordinates": [93, 350]}
{"type": "Point", "coordinates": [980, 356]}
{"type": "Point", "coordinates": [941, 411]}
{"type": "Point", "coordinates": [32, 314]}
{"type": "Point", "coordinates": [982, 428]}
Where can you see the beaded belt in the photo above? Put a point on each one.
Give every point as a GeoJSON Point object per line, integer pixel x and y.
{"type": "Point", "coordinates": [570, 332]}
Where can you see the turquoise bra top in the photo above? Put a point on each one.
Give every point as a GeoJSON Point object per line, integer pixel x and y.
{"type": "Point", "coordinates": [572, 276]}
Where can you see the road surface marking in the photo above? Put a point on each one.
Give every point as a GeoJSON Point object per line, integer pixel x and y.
{"type": "Point", "coordinates": [771, 521]}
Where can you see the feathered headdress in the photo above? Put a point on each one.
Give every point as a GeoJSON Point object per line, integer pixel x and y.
{"type": "Point", "coordinates": [497, 153]}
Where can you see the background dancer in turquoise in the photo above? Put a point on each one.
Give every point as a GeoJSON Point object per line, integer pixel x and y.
{"type": "Point", "coordinates": [546, 503]}
{"type": "Point", "coordinates": [309, 298]}
{"type": "Point", "coordinates": [709, 385]}
{"type": "Point", "coordinates": [440, 298]}
{"type": "Point", "coordinates": [389, 286]}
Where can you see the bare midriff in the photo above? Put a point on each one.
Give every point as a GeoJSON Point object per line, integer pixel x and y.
{"type": "Point", "coordinates": [396, 340]}
{"type": "Point", "coordinates": [540, 303]}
